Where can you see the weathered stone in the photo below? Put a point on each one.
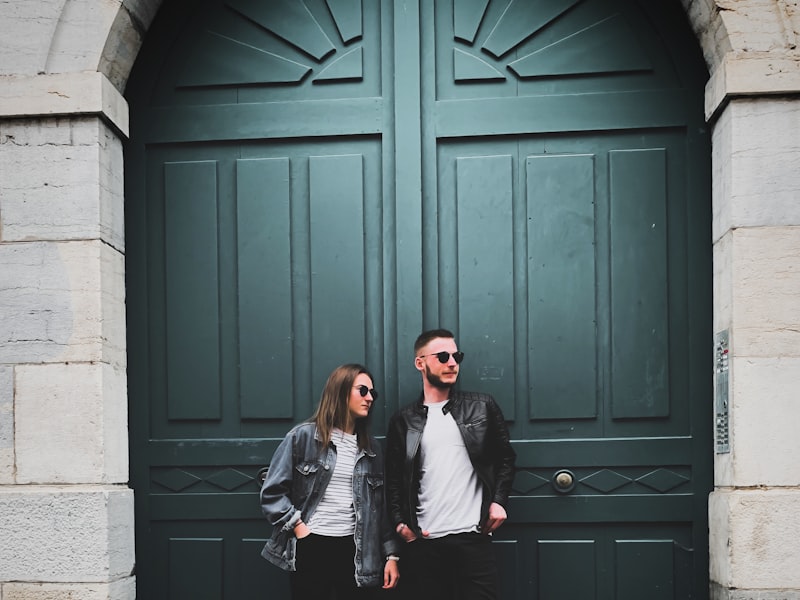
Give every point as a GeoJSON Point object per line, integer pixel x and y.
{"type": "Point", "coordinates": [62, 302]}
{"type": "Point", "coordinates": [80, 534]}
{"type": "Point", "coordinates": [755, 179]}
{"type": "Point", "coordinates": [6, 425]}
{"type": "Point", "coordinates": [753, 541]}
{"type": "Point", "coordinates": [83, 200]}
{"type": "Point", "coordinates": [122, 589]}
{"type": "Point", "coordinates": [765, 287]}
{"type": "Point", "coordinates": [71, 424]}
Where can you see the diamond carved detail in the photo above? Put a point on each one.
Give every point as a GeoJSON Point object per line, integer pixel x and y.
{"type": "Point", "coordinates": [175, 479]}
{"type": "Point", "coordinates": [605, 481]}
{"type": "Point", "coordinates": [662, 480]}
{"type": "Point", "coordinates": [525, 482]}
{"type": "Point", "coordinates": [229, 479]}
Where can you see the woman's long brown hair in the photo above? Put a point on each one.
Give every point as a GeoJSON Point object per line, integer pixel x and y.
{"type": "Point", "coordinates": [333, 409]}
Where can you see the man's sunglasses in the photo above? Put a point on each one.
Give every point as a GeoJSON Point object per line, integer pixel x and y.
{"type": "Point", "coordinates": [445, 356]}
{"type": "Point", "coordinates": [363, 390]}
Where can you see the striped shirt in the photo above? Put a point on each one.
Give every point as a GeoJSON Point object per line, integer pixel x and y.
{"type": "Point", "coordinates": [335, 514]}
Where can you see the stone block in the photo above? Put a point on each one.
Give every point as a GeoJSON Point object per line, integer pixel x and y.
{"type": "Point", "coordinates": [754, 165]}
{"type": "Point", "coordinates": [753, 539]}
{"type": "Point", "coordinates": [70, 534]}
{"type": "Point", "coordinates": [765, 287]}
{"type": "Point", "coordinates": [58, 94]}
{"type": "Point", "coordinates": [62, 180]}
{"type": "Point", "coordinates": [6, 425]}
{"type": "Point", "coordinates": [80, 37]}
{"type": "Point", "coordinates": [71, 424]}
{"type": "Point", "coordinates": [123, 589]}
{"type": "Point", "coordinates": [764, 440]}
{"type": "Point", "coordinates": [62, 302]}
{"type": "Point", "coordinates": [26, 27]}
{"type": "Point", "coordinates": [720, 593]}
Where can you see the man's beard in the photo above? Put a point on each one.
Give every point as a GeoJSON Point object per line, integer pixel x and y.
{"type": "Point", "coordinates": [435, 380]}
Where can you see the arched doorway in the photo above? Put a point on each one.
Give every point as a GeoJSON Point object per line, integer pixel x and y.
{"type": "Point", "coordinates": [312, 183]}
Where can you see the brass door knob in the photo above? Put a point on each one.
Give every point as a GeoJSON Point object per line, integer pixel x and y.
{"type": "Point", "coordinates": [563, 481]}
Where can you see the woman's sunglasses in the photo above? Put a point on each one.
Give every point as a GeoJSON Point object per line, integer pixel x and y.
{"type": "Point", "coordinates": [363, 390]}
{"type": "Point", "coordinates": [445, 356]}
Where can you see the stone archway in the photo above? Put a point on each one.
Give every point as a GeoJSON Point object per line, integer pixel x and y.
{"type": "Point", "coordinates": [61, 105]}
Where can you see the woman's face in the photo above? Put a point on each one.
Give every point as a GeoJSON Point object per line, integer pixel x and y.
{"type": "Point", "coordinates": [359, 405]}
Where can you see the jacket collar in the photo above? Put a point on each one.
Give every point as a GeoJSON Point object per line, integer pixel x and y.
{"type": "Point", "coordinates": [369, 452]}
{"type": "Point", "coordinates": [452, 401]}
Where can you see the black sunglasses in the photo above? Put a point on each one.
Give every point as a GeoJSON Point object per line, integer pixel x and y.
{"type": "Point", "coordinates": [445, 356]}
{"type": "Point", "coordinates": [362, 389]}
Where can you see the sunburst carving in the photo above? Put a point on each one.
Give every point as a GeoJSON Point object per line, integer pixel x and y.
{"type": "Point", "coordinates": [295, 44]}
{"type": "Point", "coordinates": [606, 46]}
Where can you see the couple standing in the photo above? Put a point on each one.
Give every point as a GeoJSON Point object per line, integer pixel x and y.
{"type": "Point", "coordinates": [448, 472]}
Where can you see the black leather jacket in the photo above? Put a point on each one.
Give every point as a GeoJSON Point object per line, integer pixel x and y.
{"type": "Point", "coordinates": [486, 438]}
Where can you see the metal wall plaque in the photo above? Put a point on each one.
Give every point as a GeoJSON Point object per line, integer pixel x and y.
{"type": "Point", "coordinates": [721, 392]}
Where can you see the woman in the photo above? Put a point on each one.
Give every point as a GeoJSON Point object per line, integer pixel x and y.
{"type": "Point", "coordinates": [323, 494]}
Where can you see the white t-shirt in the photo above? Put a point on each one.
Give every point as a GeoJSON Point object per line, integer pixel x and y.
{"type": "Point", "coordinates": [450, 491]}
{"type": "Point", "coordinates": [335, 515]}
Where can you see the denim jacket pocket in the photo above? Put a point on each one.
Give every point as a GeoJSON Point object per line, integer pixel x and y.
{"type": "Point", "coordinates": [375, 481]}
{"type": "Point", "coordinates": [304, 478]}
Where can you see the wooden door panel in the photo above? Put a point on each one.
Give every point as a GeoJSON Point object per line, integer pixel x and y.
{"type": "Point", "coordinates": [313, 181]}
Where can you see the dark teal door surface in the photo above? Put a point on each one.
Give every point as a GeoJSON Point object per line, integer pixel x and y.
{"type": "Point", "coordinates": [311, 182]}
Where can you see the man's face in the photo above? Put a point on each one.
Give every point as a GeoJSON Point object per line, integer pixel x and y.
{"type": "Point", "coordinates": [438, 374]}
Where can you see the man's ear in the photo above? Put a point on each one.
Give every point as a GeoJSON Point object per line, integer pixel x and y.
{"type": "Point", "coordinates": [419, 364]}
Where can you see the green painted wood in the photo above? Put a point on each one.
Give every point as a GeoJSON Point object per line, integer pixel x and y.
{"type": "Point", "coordinates": [218, 60]}
{"type": "Point", "coordinates": [394, 186]}
{"type": "Point", "coordinates": [567, 569]}
{"type": "Point", "coordinates": [265, 284]}
{"type": "Point", "coordinates": [482, 203]}
{"type": "Point", "coordinates": [192, 317]}
{"type": "Point", "coordinates": [347, 14]}
{"type": "Point", "coordinates": [519, 21]}
{"type": "Point", "coordinates": [195, 568]}
{"type": "Point", "coordinates": [405, 319]}
{"type": "Point", "coordinates": [471, 68]}
{"type": "Point", "coordinates": [277, 120]}
{"type": "Point", "coordinates": [348, 66]}
{"type": "Point", "coordinates": [645, 568]}
{"type": "Point", "coordinates": [289, 20]}
{"type": "Point", "coordinates": [640, 313]}
{"type": "Point", "coordinates": [606, 46]}
{"type": "Point", "coordinates": [561, 286]}
{"type": "Point", "coordinates": [578, 112]}
{"type": "Point", "coordinates": [467, 17]}
{"type": "Point", "coordinates": [337, 197]}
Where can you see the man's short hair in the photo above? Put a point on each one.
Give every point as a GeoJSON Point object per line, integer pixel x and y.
{"type": "Point", "coordinates": [426, 336]}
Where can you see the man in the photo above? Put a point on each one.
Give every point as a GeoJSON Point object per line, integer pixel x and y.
{"type": "Point", "coordinates": [449, 468]}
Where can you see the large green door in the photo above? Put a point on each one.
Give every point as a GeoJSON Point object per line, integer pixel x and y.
{"type": "Point", "coordinates": [313, 182]}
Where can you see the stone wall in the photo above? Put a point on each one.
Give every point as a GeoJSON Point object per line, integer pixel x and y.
{"type": "Point", "coordinates": [66, 513]}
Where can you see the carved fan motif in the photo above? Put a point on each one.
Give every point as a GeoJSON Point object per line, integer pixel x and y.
{"type": "Point", "coordinates": [577, 53]}
{"type": "Point", "coordinates": [328, 52]}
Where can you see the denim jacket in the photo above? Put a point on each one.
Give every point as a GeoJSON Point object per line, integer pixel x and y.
{"type": "Point", "coordinates": [295, 483]}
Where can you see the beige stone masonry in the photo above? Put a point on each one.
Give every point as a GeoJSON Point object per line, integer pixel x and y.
{"type": "Point", "coordinates": [74, 94]}
{"type": "Point", "coordinates": [69, 534]}
{"type": "Point", "coordinates": [6, 425]}
{"type": "Point", "coordinates": [756, 179]}
{"type": "Point", "coordinates": [757, 297]}
{"type": "Point", "coordinates": [753, 536]}
{"type": "Point", "coordinates": [62, 180]}
{"type": "Point", "coordinates": [71, 424]}
{"type": "Point", "coordinates": [62, 302]}
{"type": "Point", "coordinates": [116, 590]}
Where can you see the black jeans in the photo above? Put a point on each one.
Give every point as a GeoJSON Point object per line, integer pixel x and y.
{"type": "Point", "coordinates": [454, 567]}
{"type": "Point", "coordinates": [326, 571]}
